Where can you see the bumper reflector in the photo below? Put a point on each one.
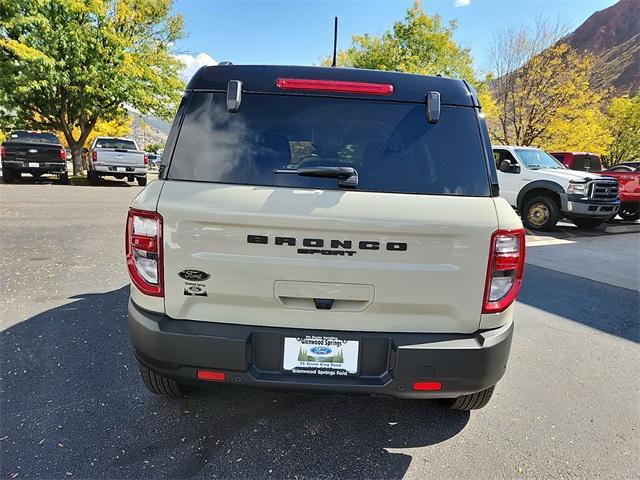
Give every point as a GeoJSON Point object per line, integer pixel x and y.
{"type": "Point", "coordinates": [427, 386]}
{"type": "Point", "coordinates": [213, 376]}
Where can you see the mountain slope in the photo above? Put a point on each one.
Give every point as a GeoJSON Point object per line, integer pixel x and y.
{"type": "Point", "coordinates": [613, 36]}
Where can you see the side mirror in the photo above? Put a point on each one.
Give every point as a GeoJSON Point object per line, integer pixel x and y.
{"type": "Point", "coordinates": [507, 167]}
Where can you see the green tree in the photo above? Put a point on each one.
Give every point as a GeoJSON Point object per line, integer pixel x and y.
{"type": "Point", "coordinates": [623, 125]}
{"type": "Point", "coordinates": [68, 63]}
{"type": "Point", "coordinates": [420, 44]}
{"type": "Point", "coordinates": [154, 147]}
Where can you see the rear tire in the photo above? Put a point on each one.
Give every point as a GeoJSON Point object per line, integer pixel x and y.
{"type": "Point", "coordinates": [92, 177]}
{"type": "Point", "coordinates": [8, 175]}
{"type": "Point", "coordinates": [587, 223]}
{"type": "Point", "coordinates": [540, 213]}
{"type": "Point", "coordinates": [473, 401]}
{"type": "Point", "coordinates": [629, 211]}
{"type": "Point", "coordinates": [64, 179]}
{"type": "Point", "coordinates": [142, 181]}
{"type": "Point", "coordinates": [159, 384]}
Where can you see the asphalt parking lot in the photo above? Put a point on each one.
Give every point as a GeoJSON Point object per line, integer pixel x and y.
{"type": "Point", "coordinates": [73, 406]}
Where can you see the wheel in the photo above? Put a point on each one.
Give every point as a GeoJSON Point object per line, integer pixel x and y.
{"type": "Point", "coordinates": [587, 223]}
{"type": "Point", "coordinates": [8, 175]}
{"type": "Point", "coordinates": [540, 213]}
{"type": "Point", "coordinates": [92, 177]}
{"type": "Point", "coordinates": [473, 401]}
{"type": "Point", "coordinates": [159, 384]}
{"type": "Point", "coordinates": [64, 178]}
{"type": "Point", "coordinates": [629, 211]}
{"type": "Point", "coordinates": [142, 181]}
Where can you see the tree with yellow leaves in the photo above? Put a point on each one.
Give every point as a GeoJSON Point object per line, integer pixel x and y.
{"type": "Point", "coordinates": [66, 64]}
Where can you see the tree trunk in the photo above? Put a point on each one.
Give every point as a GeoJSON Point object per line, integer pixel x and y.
{"type": "Point", "coordinates": [76, 153]}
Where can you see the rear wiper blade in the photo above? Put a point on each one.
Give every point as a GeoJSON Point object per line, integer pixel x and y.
{"type": "Point", "coordinates": [347, 176]}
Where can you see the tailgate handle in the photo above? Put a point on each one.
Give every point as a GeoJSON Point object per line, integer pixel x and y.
{"type": "Point", "coordinates": [323, 296]}
{"type": "Point", "coordinates": [323, 303]}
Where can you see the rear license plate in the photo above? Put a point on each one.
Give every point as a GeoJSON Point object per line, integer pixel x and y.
{"type": "Point", "coordinates": [121, 169]}
{"type": "Point", "coordinates": [34, 164]}
{"type": "Point", "coordinates": [328, 356]}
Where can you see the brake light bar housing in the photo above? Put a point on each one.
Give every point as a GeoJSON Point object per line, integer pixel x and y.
{"type": "Point", "coordinates": [336, 86]}
{"type": "Point", "coordinates": [143, 246]}
{"type": "Point", "coordinates": [505, 270]}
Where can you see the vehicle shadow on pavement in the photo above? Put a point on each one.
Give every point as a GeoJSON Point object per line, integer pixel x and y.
{"type": "Point", "coordinates": [73, 405]}
{"type": "Point", "coordinates": [605, 307]}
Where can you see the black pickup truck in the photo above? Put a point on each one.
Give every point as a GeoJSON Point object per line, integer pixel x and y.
{"type": "Point", "coordinates": [33, 152]}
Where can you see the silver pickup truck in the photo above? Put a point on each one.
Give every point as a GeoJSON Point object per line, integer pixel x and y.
{"type": "Point", "coordinates": [119, 158]}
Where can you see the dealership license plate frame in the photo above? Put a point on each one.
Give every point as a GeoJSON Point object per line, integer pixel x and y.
{"type": "Point", "coordinates": [351, 348]}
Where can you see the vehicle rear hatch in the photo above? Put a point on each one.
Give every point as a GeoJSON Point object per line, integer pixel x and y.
{"type": "Point", "coordinates": [116, 152]}
{"type": "Point", "coordinates": [32, 152]}
{"type": "Point", "coordinates": [405, 251]}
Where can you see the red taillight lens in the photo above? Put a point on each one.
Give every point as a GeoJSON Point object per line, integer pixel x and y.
{"type": "Point", "coordinates": [146, 159]}
{"type": "Point", "coordinates": [1, 151]}
{"type": "Point", "coordinates": [63, 154]}
{"type": "Point", "coordinates": [504, 273]}
{"type": "Point", "coordinates": [210, 375]}
{"type": "Point", "coordinates": [427, 386]}
{"type": "Point", "coordinates": [94, 156]}
{"type": "Point", "coordinates": [144, 251]}
{"type": "Point", "coordinates": [334, 86]}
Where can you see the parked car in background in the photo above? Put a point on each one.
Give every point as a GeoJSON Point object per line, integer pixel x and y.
{"type": "Point", "coordinates": [119, 158]}
{"type": "Point", "coordinates": [154, 159]}
{"type": "Point", "coordinates": [583, 161]}
{"type": "Point", "coordinates": [34, 152]}
{"type": "Point", "coordinates": [543, 190]}
{"type": "Point", "coordinates": [628, 176]}
{"type": "Point", "coordinates": [327, 230]}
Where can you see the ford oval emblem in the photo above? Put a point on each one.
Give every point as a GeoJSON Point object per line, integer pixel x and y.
{"type": "Point", "coordinates": [193, 275]}
{"type": "Point", "coordinates": [320, 350]}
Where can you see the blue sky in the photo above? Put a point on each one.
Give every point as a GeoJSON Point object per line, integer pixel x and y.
{"type": "Point", "coordinates": [299, 32]}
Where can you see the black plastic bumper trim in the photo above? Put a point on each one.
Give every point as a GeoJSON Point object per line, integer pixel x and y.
{"type": "Point", "coordinates": [389, 362]}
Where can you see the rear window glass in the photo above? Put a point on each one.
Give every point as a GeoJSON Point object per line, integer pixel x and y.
{"type": "Point", "coordinates": [390, 144]}
{"type": "Point", "coordinates": [589, 163]}
{"type": "Point", "coordinates": [35, 137]}
{"type": "Point", "coordinates": [115, 143]}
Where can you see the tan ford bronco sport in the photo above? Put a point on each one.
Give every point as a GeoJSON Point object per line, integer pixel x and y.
{"type": "Point", "coordinates": [329, 230]}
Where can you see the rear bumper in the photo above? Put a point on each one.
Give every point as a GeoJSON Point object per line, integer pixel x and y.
{"type": "Point", "coordinates": [113, 170]}
{"type": "Point", "coordinates": [42, 167]}
{"type": "Point", "coordinates": [389, 362]}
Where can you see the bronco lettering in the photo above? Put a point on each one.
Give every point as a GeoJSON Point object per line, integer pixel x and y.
{"type": "Point", "coordinates": [338, 247]}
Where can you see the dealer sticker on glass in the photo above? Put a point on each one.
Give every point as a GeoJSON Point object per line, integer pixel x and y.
{"type": "Point", "coordinates": [329, 356]}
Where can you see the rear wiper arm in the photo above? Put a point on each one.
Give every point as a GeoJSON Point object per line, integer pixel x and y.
{"type": "Point", "coordinates": [347, 176]}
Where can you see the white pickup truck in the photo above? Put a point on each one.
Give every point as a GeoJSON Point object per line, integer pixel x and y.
{"type": "Point", "coordinates": [543, 190]}
{"type": "Point", "coordinates": [119, 158]}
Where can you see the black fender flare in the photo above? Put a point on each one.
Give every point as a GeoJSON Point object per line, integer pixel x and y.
{"type": "Point", "coordinates": [541, 184]}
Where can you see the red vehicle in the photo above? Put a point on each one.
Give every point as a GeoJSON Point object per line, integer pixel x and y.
{"type": "Point", "coordinates": [628, 176]}
{"type": "Point", "coordinates": [588, 162]}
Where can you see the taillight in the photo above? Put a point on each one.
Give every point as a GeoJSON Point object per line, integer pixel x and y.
{"type": "Point", "coordinates": [144, 251]}
{"type": "Point", "coordinates": [334, 86]}
{"type": "Point", "coordinates": [146, 159]}
{"type": "Point", "coordinates": [504, 273]}
{"type": "Point", "coordinates": [63, 154]}
{"type": "Point", "coordinates": [1, 151]}
{"type": "Point", "coordinates": [94, 156]}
